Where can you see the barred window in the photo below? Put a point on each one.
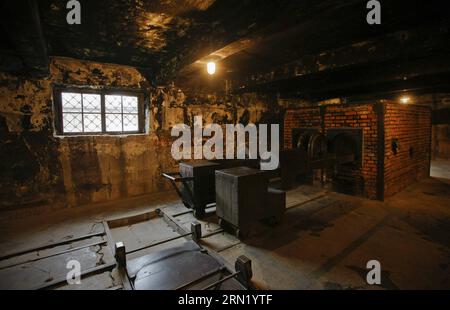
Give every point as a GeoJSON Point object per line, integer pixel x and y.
{"type": "Point", "coordinates": [87, 112]}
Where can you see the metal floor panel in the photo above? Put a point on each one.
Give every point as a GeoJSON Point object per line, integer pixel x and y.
{"type": "Point", "coordinates": [178, 267]}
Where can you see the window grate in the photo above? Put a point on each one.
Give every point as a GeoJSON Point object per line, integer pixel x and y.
{"type": "Point", "coordinates": [88, 113]}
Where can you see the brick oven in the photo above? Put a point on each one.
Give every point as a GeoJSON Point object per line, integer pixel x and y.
{"type": "Point", "coordinates": [383, 147]}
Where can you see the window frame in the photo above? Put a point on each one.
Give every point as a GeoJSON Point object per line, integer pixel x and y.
{"type": "Point", "coordinates": [58, 110]}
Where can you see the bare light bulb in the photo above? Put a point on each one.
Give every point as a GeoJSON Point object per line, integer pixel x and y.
{"type": "Point", "coordinates": [405, 100]}
{"type": "Point", "coordinates": [211, 67]}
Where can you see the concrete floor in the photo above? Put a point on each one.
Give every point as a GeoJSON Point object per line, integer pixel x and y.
{"type": "Point", "coordinates": [324, 241]}
{"type": "Point", "coordinates": [440, 169]}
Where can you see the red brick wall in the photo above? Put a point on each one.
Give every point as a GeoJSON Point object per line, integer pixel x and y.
{"type": "Point", "coordinates": [300, 118]}
{"type": "Point", "coordinates": [411, 126]}
{"type": "Point", "coordinates": [362, 116]}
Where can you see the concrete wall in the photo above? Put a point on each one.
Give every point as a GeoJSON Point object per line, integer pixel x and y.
{"type": "Point", "coordinates": [38, 168]}
{"type": "Point", "coordinates": [441, 141]}
{"type": "Point", "coordinates": [441, 126]}
{"type": "Point", "coordinates": [440, 104]}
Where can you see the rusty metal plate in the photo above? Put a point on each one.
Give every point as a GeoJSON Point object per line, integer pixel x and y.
{"type": "Point", "coordinates": [172, 268]}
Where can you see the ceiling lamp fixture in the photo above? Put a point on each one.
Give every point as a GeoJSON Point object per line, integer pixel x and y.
{"type": "Point", "coordinates": [211, 67]}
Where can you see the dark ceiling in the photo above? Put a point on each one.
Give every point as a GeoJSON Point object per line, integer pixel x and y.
{"type": "Point", "coordinates": [257, 43]}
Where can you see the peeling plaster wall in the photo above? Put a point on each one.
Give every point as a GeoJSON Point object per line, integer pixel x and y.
{"type": "Point", "coordinates": [29, 165]}
{"type": "Point", "coordinates": [37, 168]}
{"type": "Point", "coordinates": [173, 106]}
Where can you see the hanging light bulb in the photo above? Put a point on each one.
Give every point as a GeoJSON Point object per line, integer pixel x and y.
{"type": "Point", "coordinates": [211, 68]}
{"type": "Point", "coordinates": [405, 100]}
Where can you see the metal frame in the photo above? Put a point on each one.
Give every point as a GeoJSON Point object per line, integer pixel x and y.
{"type": "Point", "coordinates": [243, 274]}
{"type": "Point", "coordinates": [55, 254]}
{"type": "Point", "coordinates": [219, 282]}
{"type": "Point", "coordinates": [88, 272]}
{"type": "Point", "coordinates": [119, 249]}
{"type": "Point", "coordinates": [118, 252]}
{"type": "Point", "coordinates": [51, 245]}
{"type": "Point", "coordinates": [121, 271]}
{"type": "Point", "coordinates": [62, 280]}
{"type": "Point", "coordinates": [356, 133]}
{"type": "Point", "coordinates": [175, 178]}
{"type": "Point", "coordinates": [190, 202]}
{"type": "Point", "coordinates": [196, 234]}
{"type": "Point", "coordinates": [58, 113]}
{"type": "Point", "coordinates": [204, 277]}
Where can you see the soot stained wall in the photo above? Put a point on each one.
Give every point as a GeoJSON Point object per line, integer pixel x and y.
{"type": "Point", "coordinates": [38, 168]}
